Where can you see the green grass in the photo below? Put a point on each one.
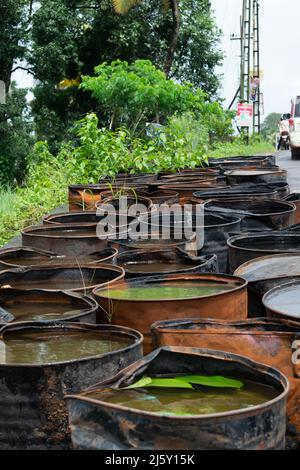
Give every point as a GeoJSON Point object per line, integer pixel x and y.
{"type": "Point", "coordinates": [238, 149]}
{"type": "Point", "coordinates": [7, 201]}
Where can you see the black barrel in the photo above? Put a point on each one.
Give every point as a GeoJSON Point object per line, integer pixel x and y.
{"type": "Point", "coordinates": [33, 413]}
{"type": "Point", "coordinates": [24, 256]}
{"type": "Point", "coordinates": [255, 215]}
{"type": "Point", "coordinates": [244, 176]}
{"type": "Point", "coordinates": [20, 257]}
{"type": "Point", "coordinates": [140, 263]}
{"type": "Point", "coordinates": [245, 247]}
{"type": "Point", "coordinates": [65, 277]}
{"type": "Point", "coordinates": [214, 230]}
{"type": "Point", "coordinates": [64, 239]}
{"type": "Point", "coordinates": [260, 161]}
{"type": "Point", "coordinates": [97, 424]}
{"type": "Point", "coordinates": [228, 193]}
{"type": "Point", "coordinates": [40, 305]}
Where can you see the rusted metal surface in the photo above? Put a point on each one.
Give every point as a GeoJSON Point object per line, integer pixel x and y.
{"type": "Point", "coordinates": [33, 412]}
{"type": "Point", "coordinates": [264, 175]}
{"type": "Point", "coordinates": [73, 307]}
{"type": "Point", "coordinates": [262, 340]}
{"type": "Point", "coordinates": [103, 206]}
{"type": "Point", "coordinates": [161, 196]}
{"type": "Point", "coordinates": [265, 273]}
{"type": "Point", "coordinates": [241, 161]}
{"type": "Point", "coordinates": [186, 190]}
{"type": "Point", "coordinates": [56, 278]}
{"type": "Point", "coordinates": [231, 192]}
{"type": "Point", "coordinates": [64, 239]}
{"type": "Point", "coordinates": [245, 247]}
{"type": "Point", "coordinates": [139, 314]}
{"type": "Point", "coordinates": [135, 262]}
{"type": "Point", "coordinates": [76, 218]}
{"type": "Point", "coordinates": [85, 196]}
{"type": "Point", "coordinates": [150, 244]}
{"type": "Point", "coordinates": [261, 427]}
{"type": "Point", "coordinates": [255, 215]}
{"type": "Point", "coordinates": [295, 199]}
{"type": "Point", "coordinates": [15, 257]}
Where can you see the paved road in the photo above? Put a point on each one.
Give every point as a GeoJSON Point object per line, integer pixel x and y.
{"type": "Point", "coordinates": [284, 160]}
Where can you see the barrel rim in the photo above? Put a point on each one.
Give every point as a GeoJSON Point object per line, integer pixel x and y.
{"type": "Point", "coordinates": [239, 271]}
{"type": "Point", "coordinates": [122, 330]}
{"type": "Point", "coordinates": [37, 231]}
{"type": "Point", "coordinates": [249, 235]}
{"type": "Point", "coordinates": [272, 292]}
{"type": "Point", "coordinates": [165, 326]}
{"type": "Point", "coordinates": [290, 205]}
{"type": "Point", "coordinates": [176, 277]}
{"type": "Point", "coordinates": [107, 267]}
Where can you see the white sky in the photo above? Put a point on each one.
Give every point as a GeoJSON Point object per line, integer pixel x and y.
{"type": "Point", "coordinates": [280, 43]}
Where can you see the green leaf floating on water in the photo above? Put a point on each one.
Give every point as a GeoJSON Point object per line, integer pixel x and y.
{"type": "Point", "coordinates": [212, 381]}
{"type": "Point", "coordinates": [216, 381]}
{"type": "Point", "coordinates": [143, 382]}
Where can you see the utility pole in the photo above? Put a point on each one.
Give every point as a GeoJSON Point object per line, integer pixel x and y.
{"type": "Point", "coordinates": [256, 67]}
{"type": "Point", "coordinates": [250, 60]}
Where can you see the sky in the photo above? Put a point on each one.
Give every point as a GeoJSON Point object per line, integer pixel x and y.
{"type": "Point", "coordinates": [280, 41]}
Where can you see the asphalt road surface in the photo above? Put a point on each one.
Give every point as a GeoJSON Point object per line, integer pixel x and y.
{"type": "Point", "coordinates": [284, 160]}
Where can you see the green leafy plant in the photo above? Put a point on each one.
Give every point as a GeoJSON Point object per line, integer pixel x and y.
{"type": "Point", "coordinates": [186, 382]}
{"type": "Point", "coordinates": [133, 94]}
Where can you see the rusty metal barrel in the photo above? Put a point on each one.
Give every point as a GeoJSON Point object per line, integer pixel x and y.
{"type": "Point", "coordinates": [137, 303]}
{"type": "Point", "coordinates": [269, 341]}
{"type": "Point", "coordinates": [80, 279]}
{"type": "Point", "coordinates": [99, 425]}
{"type": "Point", "coordinates": [261, 161]}
{"type": "Point", "coordinates": [264, 175]}
{"type": "Point", "coordinates": [283, 301]}
{"type": "Point", "coordinates": [141, 263]}
{"type": "Point", "coordinates": [59, 358]}
{"type": "Point", "coordinates": [245, 247]}
{"type": "Point", "coordinates": [255, 215]}
{"type": "Point", "coordinates": [265, 273]}
{"type": "Point", "coordinates": [47, 306]}
{"type": "Point", "coordinates": [20, 257]}
{"type": "Point", "coordinates": [64, 239]}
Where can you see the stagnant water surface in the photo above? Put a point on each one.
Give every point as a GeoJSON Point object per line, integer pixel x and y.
{"type": "Point", "coordinates": [38, 311]}
{"type": "Point", "coordinates": [169, 290]}
{"type": "Point", "coordinates": [287, 301]}
{"type": "Point", "coordinates": [181, 402]}
{"type": "Point", "coordinates": [57, 346]}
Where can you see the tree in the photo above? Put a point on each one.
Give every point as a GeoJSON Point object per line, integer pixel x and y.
{"type": "Point", "coordinates": [12, 37]}
{"type": "Point", "coordinates": [69, 38]}
{"type": "Point", "coordinates": [15, 129]}
{"type": "Point", "coordinates": [131, 95]}
{"type": "Point", "coordinates": [123, 6]}
{"type": "Point", "coordinates": [15, 136]}
{"type": "Point", "coordinates": [270, 125]}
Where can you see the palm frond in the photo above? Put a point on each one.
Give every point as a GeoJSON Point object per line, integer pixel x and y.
{"type": "Point", "coordinates": [123, 6]}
